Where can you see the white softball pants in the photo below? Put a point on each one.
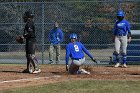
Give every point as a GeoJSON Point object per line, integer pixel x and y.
{"type": "Point", "coordinates": [74, 66]}
{"type": "Point", "coordinates": [121, 44]}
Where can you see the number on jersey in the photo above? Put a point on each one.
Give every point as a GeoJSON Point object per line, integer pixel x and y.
{"type": "Point", "coordinates": [76, 48]}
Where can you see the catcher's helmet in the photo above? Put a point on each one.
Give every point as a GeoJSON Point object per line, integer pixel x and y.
{"type": "Point", "coordinates": [120, 13]}
{"type": "Point", "coordinates": [27, 14]}
{"type": "Point", "coordinates": [73, 36]}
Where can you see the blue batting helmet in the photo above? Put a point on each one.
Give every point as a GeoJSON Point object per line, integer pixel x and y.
{"type": "Point", "coordinates": [120, 13]}
{"type": "Point", "coordinates": [73, 36]}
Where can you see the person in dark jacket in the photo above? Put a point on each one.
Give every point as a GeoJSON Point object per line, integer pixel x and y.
{"type": "Point", "coordinates": [29, 36]}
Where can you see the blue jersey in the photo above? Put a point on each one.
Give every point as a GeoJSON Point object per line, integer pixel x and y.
{"type": "Point", "coordinates": [121, 28]}
{"type": "Point", "coordinates": [76, 51]}
{"type": "Point", "coordinates": [56, 36]}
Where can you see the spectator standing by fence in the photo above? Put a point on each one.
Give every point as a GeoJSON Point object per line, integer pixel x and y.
{"type": "Point", "coordinates": [55, 37]}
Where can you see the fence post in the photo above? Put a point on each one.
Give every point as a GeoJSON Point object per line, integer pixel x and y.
{"type": "Point", "coordinates": [42, 33]}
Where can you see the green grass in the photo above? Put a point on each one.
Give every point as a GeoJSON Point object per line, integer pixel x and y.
{"type": "Point", "coordinates": [84, 86]}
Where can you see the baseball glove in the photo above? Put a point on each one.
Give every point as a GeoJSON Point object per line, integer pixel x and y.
{"type": "Point", "coordinates": [20, 39]}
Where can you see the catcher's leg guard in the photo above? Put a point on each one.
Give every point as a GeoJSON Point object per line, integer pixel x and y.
{"type": "Point", "coordinates": [31, 67]}
{"type": "Point", "coordinates": [33, 64]}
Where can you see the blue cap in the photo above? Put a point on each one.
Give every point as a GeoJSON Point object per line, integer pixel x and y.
{"type": "Point", "coordinates": [73, 36]}
{"type": "Point", "coordinates": [120, 13]}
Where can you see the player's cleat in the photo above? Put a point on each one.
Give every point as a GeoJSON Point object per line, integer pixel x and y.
{"type": "Point", "coordinates": [84, 72]}
{"type": "Point", "coordinates": [51, 62]}
{"type": "Point", "coordinates": [117, 65]}
{"type": "Point", "coordinates": [25, 71]}
{"type": "Point", "coordinates": [57, 62]}
{"type": "Point", "coordinates": [36, 71]}
{"type": "Point", "coordinates": [124, 65]}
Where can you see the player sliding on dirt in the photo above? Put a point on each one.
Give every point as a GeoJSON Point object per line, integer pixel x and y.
{"type": "Point", "coordinates": [75, 50]}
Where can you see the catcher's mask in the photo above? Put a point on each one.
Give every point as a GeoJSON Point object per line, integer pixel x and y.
{"type": "Point", "coordinates": [73, 36]}
{"type": "Point", "coordinates": [27, 15]}
{"type": "Point", "coordinates": [120, 18]}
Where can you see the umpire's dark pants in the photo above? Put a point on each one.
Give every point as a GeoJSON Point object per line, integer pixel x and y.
{"type": "Point", "coordinates": [30, 49]}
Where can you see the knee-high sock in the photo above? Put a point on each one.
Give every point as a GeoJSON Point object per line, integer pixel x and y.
{"type": "Point", "coordinates": [117, 58]}
{"type": "Point", "coordinates": [124, 59]}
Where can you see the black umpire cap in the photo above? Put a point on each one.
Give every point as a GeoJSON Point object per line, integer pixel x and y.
{"type": "Point", "coordinates": [28, 14]}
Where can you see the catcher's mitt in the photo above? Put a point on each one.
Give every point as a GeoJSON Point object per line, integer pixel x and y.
{"type": "Point", "coordinates": [19, 39]}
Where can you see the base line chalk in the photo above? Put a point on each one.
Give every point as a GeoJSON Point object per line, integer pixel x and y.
{"type": "Point", "coordinates": [29, 79]}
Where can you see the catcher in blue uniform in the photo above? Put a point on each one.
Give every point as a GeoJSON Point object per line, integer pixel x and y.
{"type": "Point", "coordinates": [75, 50]}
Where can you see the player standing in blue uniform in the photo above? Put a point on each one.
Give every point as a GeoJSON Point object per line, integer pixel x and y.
{"type": "Point", "coordinates": [75, 50]}
{"type": "Point", "coordinates": [122, 35]}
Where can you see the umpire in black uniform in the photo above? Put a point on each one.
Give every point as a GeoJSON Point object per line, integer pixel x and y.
{"type": "Point", "coordinates": [29, 35]}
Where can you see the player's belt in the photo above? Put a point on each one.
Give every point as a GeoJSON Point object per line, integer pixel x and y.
{"type": "Point", "coordinates": [77, 58]}
{"type": "Point", "coordinates": [121, 34]}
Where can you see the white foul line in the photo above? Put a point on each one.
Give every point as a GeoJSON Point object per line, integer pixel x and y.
{"type": "Point", "coordinates": [28, 79]}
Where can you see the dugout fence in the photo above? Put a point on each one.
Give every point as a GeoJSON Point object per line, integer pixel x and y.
{"type": "Point", "coordinates": [92, 20]}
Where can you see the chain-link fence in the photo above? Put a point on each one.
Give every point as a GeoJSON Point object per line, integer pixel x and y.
{"type": "Point", "coordinates": [92, 20]}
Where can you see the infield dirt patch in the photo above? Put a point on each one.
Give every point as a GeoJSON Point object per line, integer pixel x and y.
{"type": "Point", "coordinates": [11, 76]}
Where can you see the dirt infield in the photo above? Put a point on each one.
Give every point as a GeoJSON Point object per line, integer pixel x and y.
{"type": "Point", "coordinates": [11, 76]}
